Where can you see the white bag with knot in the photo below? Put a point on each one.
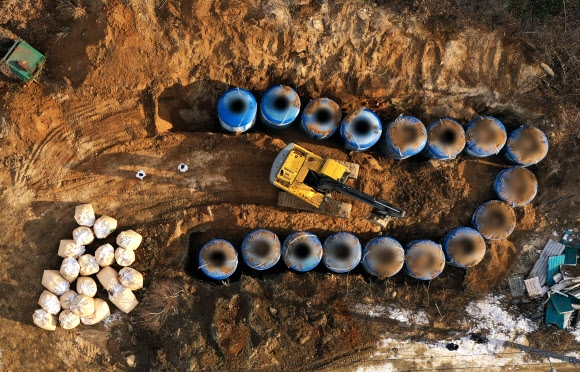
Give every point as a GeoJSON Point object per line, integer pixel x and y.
{"type": "Point", "coordinates": [83, 235]}
{"type": "Point", "coordinates": [49, 302]}
{"type": "Point", "coordinates": [105, 255]}
{"type": "Point", "coordinates": [68, 248]}
{"type": "Point", "coordinates": [88, 264]}
{"type": "Point", "coordinates": [69, 269]}
{"type": "Point", "coordinates": [55, 283]}
{"type": "Point", "coordinates": [123, 298]}
{"type": "Point", "coordinates": [66, 298]}
{"type": "Point", "coordinates": [131, 278]}
{"type": "Point", "coordinates": [104, 226]}
{"type": "Point", "coordinates": [86, 286]}
{"type": "Point", "coordinates": [85, 215]}
{"type": "Point", "coordinates": [101, 312]}
{"type": "Point", "coordinates": [108, 277]}
{"type": "Point", "coordinates": [129, 239]}
{"type": "Point", "coordinates": [44, 320]}
{"type": "Point", "coordinates": [82, 306]}
{"type": "Point", "coordinates": [68, 320]}
{"type": "Point", "coordinates": [124, 257]}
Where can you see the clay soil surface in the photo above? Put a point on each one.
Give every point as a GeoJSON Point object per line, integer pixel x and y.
{"type": "Point", "coordinates": [133, 85]}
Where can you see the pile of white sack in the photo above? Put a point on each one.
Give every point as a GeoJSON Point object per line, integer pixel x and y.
{"type": "Point", "coordinates": [77, 300]}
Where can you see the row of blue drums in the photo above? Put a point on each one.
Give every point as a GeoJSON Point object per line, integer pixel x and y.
{"type": "Point", "coordinates": [342, 252]}
{"type": "Point", "coordinates": [361, 129]}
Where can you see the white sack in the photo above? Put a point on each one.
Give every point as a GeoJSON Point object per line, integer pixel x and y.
{"type": "Point", "coordinates": [49, 302]}
{"type": "Point", "coordinates": [104, 226]}
{"type": "Point", "coordinates": [108, 277]}
{"type": "Point", "coordinates": [66, 298]}
{"type": "Point", "coordinates": [68, 248]}
{"type": "Point", "coordinates": [124, 257]}
{"type": "Point", "coordinates": [83, 235]}
{"type": "Point", "coordinates": [68, 320]}
{"type": "Point", "coordinates": [69, 269]}
{"type": "Point", "coordinates": [89, 265]}
{"type": "Point", "coordinates": [105, 255]}
{"type": "Point", "coordinates": [123, 298]}
{"type": "Point", "coordinates": [129, 239]}
{"type": "Point", "coordinates": [44, 320]}
{"type": "Point", "coordinates": [101, 312]}
{"type": "Point", "coordinates": [86, 286]}
{"type": "Point", "coordinates": [131, 278]}
{"type": "Point", "coordinates": [55, 283]}
{"type": "Point", "coordinates": [85, 215]}
{"type": "Point", "coordinates": [82, 306]}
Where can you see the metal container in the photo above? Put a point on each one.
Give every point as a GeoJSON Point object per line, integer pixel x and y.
{"type": "Point", "coordinates": [261, 249]}
{"type": "Point", "coordinates": [279, 107]}
{"type": "Point", "coordinates": [218, 259]}
{"type": "Point", "coordinates": [485, 136]}
{"type": "Point", "coordinates": [464, 247]}
{"type": "Point", "coordinates": [404, 137]}
{"type": "Point", "coordinates": [302, 251]}
{"type": "Point", "coordinates": [237, 110]}
{"type": "Point", "coordinates": [516, 186]}
{"type": "Point", "coordinates": [383, 257]}
{"type": "Point", "coordinates": [341, 252]}
{"type": "Point", "coordinates": [495, 220]}
{"type": "Point", "coordinates": [360, 130]}
{"type": "Point", "coordinates": [526, 145]}
{"type": "Point", "coordinates": [445, 140]}
{"type": "Point", "coordinates": [321, 118]}
{"type": "Point", "coordinates": [424, 259]}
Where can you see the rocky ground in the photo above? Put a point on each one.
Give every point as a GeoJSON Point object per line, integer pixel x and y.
{"type": "Point", "coordinates": [133, 85]}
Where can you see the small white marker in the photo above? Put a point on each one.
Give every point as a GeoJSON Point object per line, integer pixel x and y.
{"type": "Point", "coordinates": [141, 174]}
{"type": "Point", "coordinates": [182, 168]}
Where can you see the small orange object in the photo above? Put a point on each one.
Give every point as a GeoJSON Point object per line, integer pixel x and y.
{"type": "Point", "coordinates": [23, 65]}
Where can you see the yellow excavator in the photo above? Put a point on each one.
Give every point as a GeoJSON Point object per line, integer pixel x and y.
{"type": "Point", "coordinates": [308, 179]}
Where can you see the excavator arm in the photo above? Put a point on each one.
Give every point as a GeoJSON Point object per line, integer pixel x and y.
{"type": "Point", "coordinates": [325, 185]}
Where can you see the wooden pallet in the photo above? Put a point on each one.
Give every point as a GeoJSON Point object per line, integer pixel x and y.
{"type": "Point", "coordinates": [329, 206]}
{"type": "Point", "coordinates": [540, 269]}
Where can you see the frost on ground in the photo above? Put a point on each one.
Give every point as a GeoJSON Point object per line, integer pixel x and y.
{"type": "Point", "coordinates": [575, 333]}
{"type": "Point", "coordinates": [485, 316]}
{"type": "Point", "coordinates": [418, 317]}
{"type": "Point", "coordinates": [488, 317]}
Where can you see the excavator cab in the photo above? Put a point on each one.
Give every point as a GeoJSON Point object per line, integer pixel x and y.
{"type": "Point", "coordinates": [307, 181]}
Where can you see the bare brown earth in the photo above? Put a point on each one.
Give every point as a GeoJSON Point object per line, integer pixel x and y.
{"type": "Point", "coordinates": [133, 85]}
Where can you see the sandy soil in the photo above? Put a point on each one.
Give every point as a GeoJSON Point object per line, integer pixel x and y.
{"type": "Point", "coordinates": [133, 85]}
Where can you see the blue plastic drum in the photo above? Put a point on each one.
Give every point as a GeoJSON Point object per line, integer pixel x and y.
{"type": "Point", "coordinates": [464, 247]}
{"type": "Point", "coordinates": [237, 110]}
{"type": "Point", "coordinates": [321, 118]}
{"type": "Point", "coordinates": [261, 249]}
{"type": "Point", "coordinates": [495, 220]}
{"type": "Point", "coordinates": [404, 137]}
{"type": "Point", "coordinates": [279, 107]}
{"type": "Point", "coordinates": [485, 136]}
{"type": "Point", "coordinates": [383, 257]}
{"type": "Point", "coordinates": [341, 252]}
{"type": "Point", "coordinates": [302, 251]}
{"type": "Point", "coordinates": [516, 186]}
{"type": "Point", "coordinates": [218, 259]}
{"type": "Point", "coordinates": [526, 145]}
{"type": "Point", "coordinates": [424, 259]}
{"type": "Point", "coordinates": [360, 130]}
{"type": "Point", "coordinates": [445, 140]}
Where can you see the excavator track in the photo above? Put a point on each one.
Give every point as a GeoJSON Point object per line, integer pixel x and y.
{"type": "Point", "coordinates": [329, 206]}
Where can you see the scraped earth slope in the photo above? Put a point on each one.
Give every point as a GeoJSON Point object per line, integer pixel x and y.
{"type": "Point", "coordinates": [134, 85]}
